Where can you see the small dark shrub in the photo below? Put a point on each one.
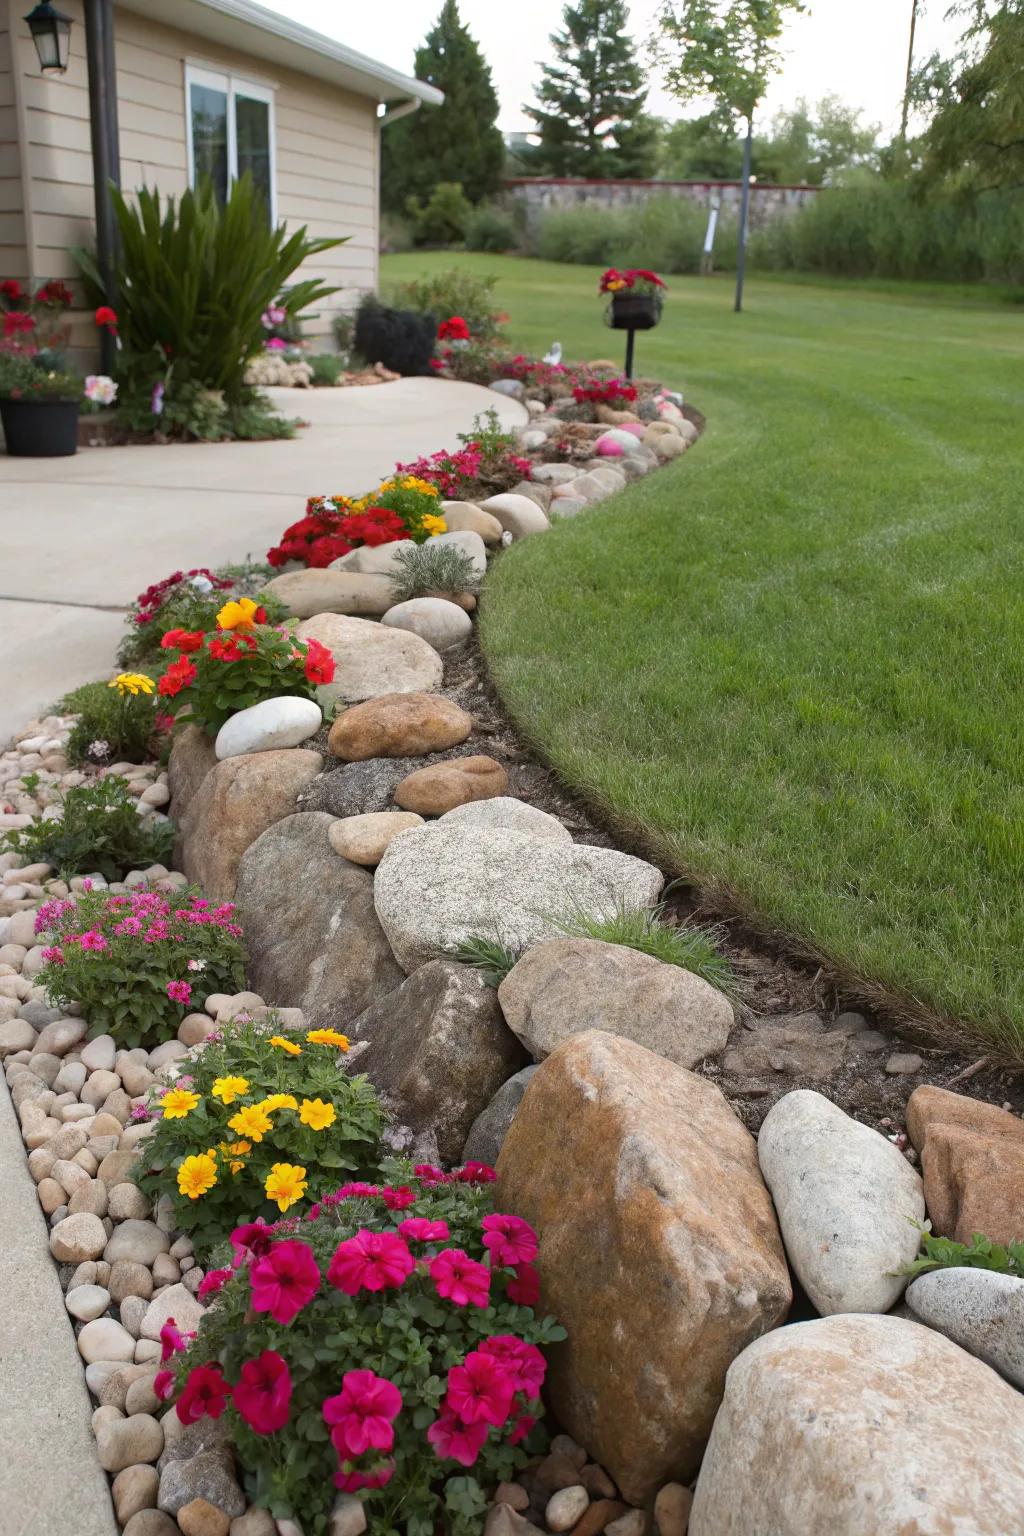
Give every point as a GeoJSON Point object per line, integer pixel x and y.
{"type": "Point", "coordinates": [441, 220]}
{"type": "Point", "coordinates": [400, 339]}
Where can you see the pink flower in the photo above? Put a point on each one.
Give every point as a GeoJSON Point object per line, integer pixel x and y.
{"type": "Point", "coordinates": [459, 1278]}
{"type": "Point", "coordinates": [431, 1175]}
{"type": "Point", "coordinates": [370, 1261]}
{"type": "Point", "coordinates": [479, 1390]}
{"type": "Point", "coordinates": [509, 1239]}
{"type": "Point", "coordinates": [172, 1340]}
{"type": "Point", "coordinates": [522, 1427]}
{"type": "Point", "coordinates": [524, 1290]}
{"type": "Point", "coordinates": [361, 1414]}
{"type": "Point", "coordinates": [206, 1392]}
{"type": "Point", "coordinates": [213, 1280]}
{"type": "Point", "coordinates": [264, 1393]}
{"type": "Point", "coordinates": [417, 1229]}
{"type": "Point", "coordinates": [92, 940]}
{"type": "Point", "coordinates": [54, 955]}
{"type": "Point", "coordinates": [351, 1482]}
{"type": "Point", "coordinates": [455, 1441]}
{"type": "Point", "coordinates": [284, 1280]}
{"type": "Point", "coordinates": [163, 1384]}
{"type": "Point", "coordinates": [523, 1363]}
{"type": "Point", "coordinates": [476, 1173]}
{"type": "Point", "coordinates": [178, 991]}
{"type": "Point", "coordinates": [250, 1241]}
{"type": "Point", "coordinates": [357, 1192]}
{"type": "Point", "coordinates": [275, 343]}
{"type": "Point", "coordinates": [398, 1199]}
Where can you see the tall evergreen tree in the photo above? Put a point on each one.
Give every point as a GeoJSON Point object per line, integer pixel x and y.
{"type": "Point", "coordinates": [458, 141]}
{"type": "Point", "coordinates": [590, 116]}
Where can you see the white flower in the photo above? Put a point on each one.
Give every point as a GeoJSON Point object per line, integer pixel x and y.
{"type": "Point", "coordinates": [506, 539]}
{"type": "Point", "coordinates": [98, 748]}
{"type": "Point", "coordinates": [197, 965]}
{"type": "Point", "coordinates": [201, 583]}
{"type": "Point", "coordinates": [100, 389]}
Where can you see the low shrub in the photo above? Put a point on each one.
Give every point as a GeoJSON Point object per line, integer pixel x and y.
{"type": "Point", "coordinates": [132, 961]}
{"type": "Point", "coordinates": [386, 1348]}
{"type": "Point", "coordinates": [240, 663]}
{"type": "Point", "coordinates": [485, 465]}
{"type": "Point", "coordinates": [98, 831]}
{"type": "Point", "coordinates": [665, 233]}
{"type": "Point", "coordinates": [441, 220]}
{"type": "Point", "coordinates": [327, 368]}
{"type": "Point", "coordinates": [399, 338]}
{"type": "Point", "coordinates": [474, 362]}
{"type": "Point", "coordinates": [22, 377]}
{"type": "Point", "coordinates": [116, 721]}
{"type": "Point", "coordinates": [454, 292]}
{"type": "Point", "coordinates": [980, 1253]}
{"type": "Point", "coordinates": [488, 229]}
{"type": "Point", "coordinates": [430, 569]}
{"type": "Point", "coordinates": [256, 1102]}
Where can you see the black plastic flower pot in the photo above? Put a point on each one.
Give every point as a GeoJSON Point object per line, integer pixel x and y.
{"type": "Point", "coordinates": [40, 429]}
{"type": "Point", "coordinates": [635, 311]}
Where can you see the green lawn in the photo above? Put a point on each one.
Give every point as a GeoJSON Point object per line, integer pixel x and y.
{"type": "Point", "coordinates": [792, 663]}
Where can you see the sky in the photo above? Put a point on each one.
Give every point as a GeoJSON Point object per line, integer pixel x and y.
{"type": "Point", "coordinates": [856, 49]}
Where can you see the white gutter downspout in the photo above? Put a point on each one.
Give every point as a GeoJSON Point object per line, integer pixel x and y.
{"type": "Point", "coordinates": [405, 110]}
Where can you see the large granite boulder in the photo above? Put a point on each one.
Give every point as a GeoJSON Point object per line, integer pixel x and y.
{"type": "Point", "coordinates": [566, 986]}
{"type": "Point", "coordinates": [849, 1203]}
{"type": "Point", "coordinates": [862, 1426]}
{"type": "Point", "coordinates": [438, 1051]}
{"type": "Point", "coordinates": [371, 659]}
{"type": "Point", "coordinates": [452, 880]}
{"type": "Point", "coordinates": [311, 931]}
{"type": "Point", "coordinates": [235, 803]}
{"type": "Point", "coordinates": [659, 1249]}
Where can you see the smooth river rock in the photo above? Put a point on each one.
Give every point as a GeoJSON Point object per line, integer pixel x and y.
{"type": "Point", "coordinates": [440, 787]}
{"type": "Point", "coordinates": [310, 592]}
{"type": "Point", "coordinates": [518, 515]}
{"type": "Point", "coordinates": [440, 623]}
{"type": "Point", "coordinates": [398, 725]}
{"type": "Point", "coordinates": [980, 1310]}
{"type": "Point", "coordinates": [365, 839]}
{"type": "Point", "coordinates": [285, 721]}
{"type": "Point", "coordinates": [371, 659]}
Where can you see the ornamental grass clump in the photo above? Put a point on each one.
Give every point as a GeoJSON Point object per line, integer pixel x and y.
{"type": "Point", "coordinates": [385, 1346]}
{"type": "Point", "coordinates": [137, 963]}
{"type": "Point", "coordinates": [430, 569]}
{"type": "Point", "coordinates": [240, 663]}
{"type": "Point", "coordinates": [98, 831]}
{"type": "Point", "coordinates": [262, 1124]}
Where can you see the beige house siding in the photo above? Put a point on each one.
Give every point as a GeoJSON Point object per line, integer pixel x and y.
{"type": "Point", "coordinates": [13, 247]}
{"type": "Point", "coordinates": [326, 149]}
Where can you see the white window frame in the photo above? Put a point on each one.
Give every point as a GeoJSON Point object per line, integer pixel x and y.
{"type": "Point", "coordinates": [233, 86]}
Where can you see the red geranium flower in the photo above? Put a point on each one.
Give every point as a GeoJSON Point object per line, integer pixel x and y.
{"type": "Point", "coordinates": [229, 647]}
{"type": "Point", "coordinates": [206, 1392]}
{"type": "Point", "coordinates": [454, 1441]}
{"type": "Point", "coordinates": [18, 323]}
{"type": "Point", "coordinates": [361, 1414]}
{"type": "Point", "coordinates": [454, 329]}
{"type": "Point", "coordinates": [179, 675]}
{"type": "Point", "coordinates": [12, 290]}
{"type": "Point", "coordinates": [319, 663]}
{"type": "Point", "coordinates": [398, 1199]}
{"type": "Point", "coordinates": [105, 316]}
{"type": "Point", "coordinates": [284, 1280]}
{"type": "Point", "coordinates": [476, 1173]}
{"type": "Point", "coordinates": [163, 1384]}
{"type": "Point", "coordinates": [264, 1392]}
{"type": "Point", "coordinates": [524, 1290]}
{"type": "Point", "coordinates": [509, 1240]}
{"type": "Point", "coordinates": [55, 294]}
{"type": "Point", "coordinates": [459, 1278]}
{"type": "Point", "coordinates": [182, 640]}
{"type": "Point", "coordinates": [522, 1427]}
{"type": "Point", "coordinates": [370, 1261]}
{"type": "Point", "coordinates": [212, 1281]}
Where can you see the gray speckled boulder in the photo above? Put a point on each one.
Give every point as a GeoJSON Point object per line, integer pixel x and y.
{"type": "Point", "coordinates": [978, 1309]}
{"type": "Point", "coordinates": [448, 881]}
{"type": "Point", "coordinates": [846, 1201]}
{"type": "Point", "coordinates": [491, 1125]}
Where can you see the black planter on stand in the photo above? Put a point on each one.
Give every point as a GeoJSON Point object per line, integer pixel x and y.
{"type": "Point", "coordinates": [632, 312]}
{"type": "Point", "coordinates": [40, 429]}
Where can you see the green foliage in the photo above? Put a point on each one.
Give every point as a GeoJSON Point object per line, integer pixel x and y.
{"type": "Point", "coordinates": [591, 118]}
{"type": "Point", "coordinates": [409, 1334]}
{"type": "Point", "coordinates": [311, 1071]}
{"type": "Point", "coordinates": [327, 367]}
{"type": "Point", "coordinates": [453, 292]}
{"type": "Point", "coordinates": [458, 141]}
{"type": "Point", "coordinates": [111, 728]}
{"type": "Point", "coordinates": [441, 220]}
{"type": "Point", "coordinates": [665, 234]}
{"type": "Point", "coordinates": [975, 141]}
{"type": "Point", "coordinates": [135, 946]}
{"type": "Point", "coordinates": [490, 957]}
{"type": "Point", "coordinates": [99, 831]}
{"type": "Point", "coordinates": [488, 229]}
{"type": "Point", "coordinates": [344, 325]}
{"type": "Point", "coordinates": [194, 279]}
{"type": "Point", "coordinates": [22, 378]}
{"type": "Point", "coordinates": [981, 1253]}
{"type": "Point", "coordinates": [815, 145]}
{"type": "Point", "coordinates": [489, 436]}
{"type": "Point", "coordinates": [700, 146]}
{"type": "Point", "coordinates": [431, 568]}
{"type": "Point", "coordinates": [688, 945]}
{"type": "Point", "coordinates": [727, 50]}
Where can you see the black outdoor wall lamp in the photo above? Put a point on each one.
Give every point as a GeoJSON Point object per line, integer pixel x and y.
{"type": "Point", "coordinates": [51, 33]}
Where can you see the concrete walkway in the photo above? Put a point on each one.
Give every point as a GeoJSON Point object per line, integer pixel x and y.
{"type": "Point", "coordinates": [80, 537]}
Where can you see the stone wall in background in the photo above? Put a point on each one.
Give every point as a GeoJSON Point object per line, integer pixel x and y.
{"type": "Point", "coordinates": [539, 195]}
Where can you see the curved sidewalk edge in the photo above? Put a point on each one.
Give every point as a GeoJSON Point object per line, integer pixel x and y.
{"type": "Point", "coordinates": [50, 1479]}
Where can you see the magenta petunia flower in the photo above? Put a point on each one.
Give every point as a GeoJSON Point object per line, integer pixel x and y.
{"type": "Point", "coordinates": [370, 1261]}
{"type": "Point", "coordinates": [418, 1229]}
{"type": "Point", "coordinates": [284, 1280]}
{"type": "Point", "coordinates": [398, 1199]}
{"type": "Point", "coordinates": [356, 1192]}
{"type": "Point", "coordinates": [476, 1173]}
{"type": "Point", "coordinates": [523, 1363]}
{"type": "Point", "coordinates": [263, 1393]}
{"type": "Point", "coordinates": [454, 1441]}
{"type": "Point", "coordinates": [213, 1280]}
{"type": "Point", "coordinates": [206, 1393]}
{"type": "Point", "coordinates": [250, 1241]}
{"type": "Point", "coordinates": [163, 1384]}
{"type": "Point", "coordinates": [172, 1340]}
{"type": "Point", "coordinates": [92, 940]}
{"type": "Point", "coordinates": [178, 991]}
{"type": "Point", "coordinates": [461, 1279]}
{"type": "Point", "coordinates": [379, 1477]}
{"type": "Point", "coordinates": [524, 1290]}
{"type": "Point", "coordinates": [361, 1415]}
{"type": "Point", "coordinates": [509, 1240]}
{"type": "Point", "coordinates": [479, 1390]}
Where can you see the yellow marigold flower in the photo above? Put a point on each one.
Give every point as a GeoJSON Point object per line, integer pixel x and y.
{"type": "Point", "coordinates": [197, 1174]}
{"type": "Point", "coordinates": [178, 1103]}
{"type": "Point", "coordinates": [411, 483]}
{"type": "Point", "coordinates": [385, 485]}
{"type": "Point", "coordinates": [238, 615]}
{"type": "Point", "coordinates": [286, 1045]}
{"type": "Point", "coordinates": [251, 1121]}
{"type": "Point", "coordinates": [280, 1101]}
{"type": "Point", "coordinates": [328, 1037]}
{"type": "Point", "coordinates": [616, 284]}
{"type": "Point", "coordinates": [433, 525]}
{"type": "Point", "coordinates": [316, 1114]}
{"type": "Point", "coordinates": [285, 1184]}
{"type": "Point", "coordinates": [234, 1154]}
{"type": "Point", "coordinates": [228, 1089]}
{"type": "Point", "coordinates": [133, 683]}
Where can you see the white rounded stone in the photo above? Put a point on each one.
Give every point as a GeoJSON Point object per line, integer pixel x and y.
{"type": "Point", "coordinates": [280, 722]}
{"type": "Point", "coordinates": [440, 623]}
{"type": "Point", "coordinates": [87, 1302]}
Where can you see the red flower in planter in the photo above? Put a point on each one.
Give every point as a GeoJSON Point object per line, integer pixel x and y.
{"type": "Point", "coordinates": [454, 329]}
{"type": "Point", "coordinates": [55, 294]}
{"type": "Point", "coordinates": [12, 290]}
{"type": "Point", "coordinates": [263, 1394]}
{"type": "Point", "coordinates": [17, 323]}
